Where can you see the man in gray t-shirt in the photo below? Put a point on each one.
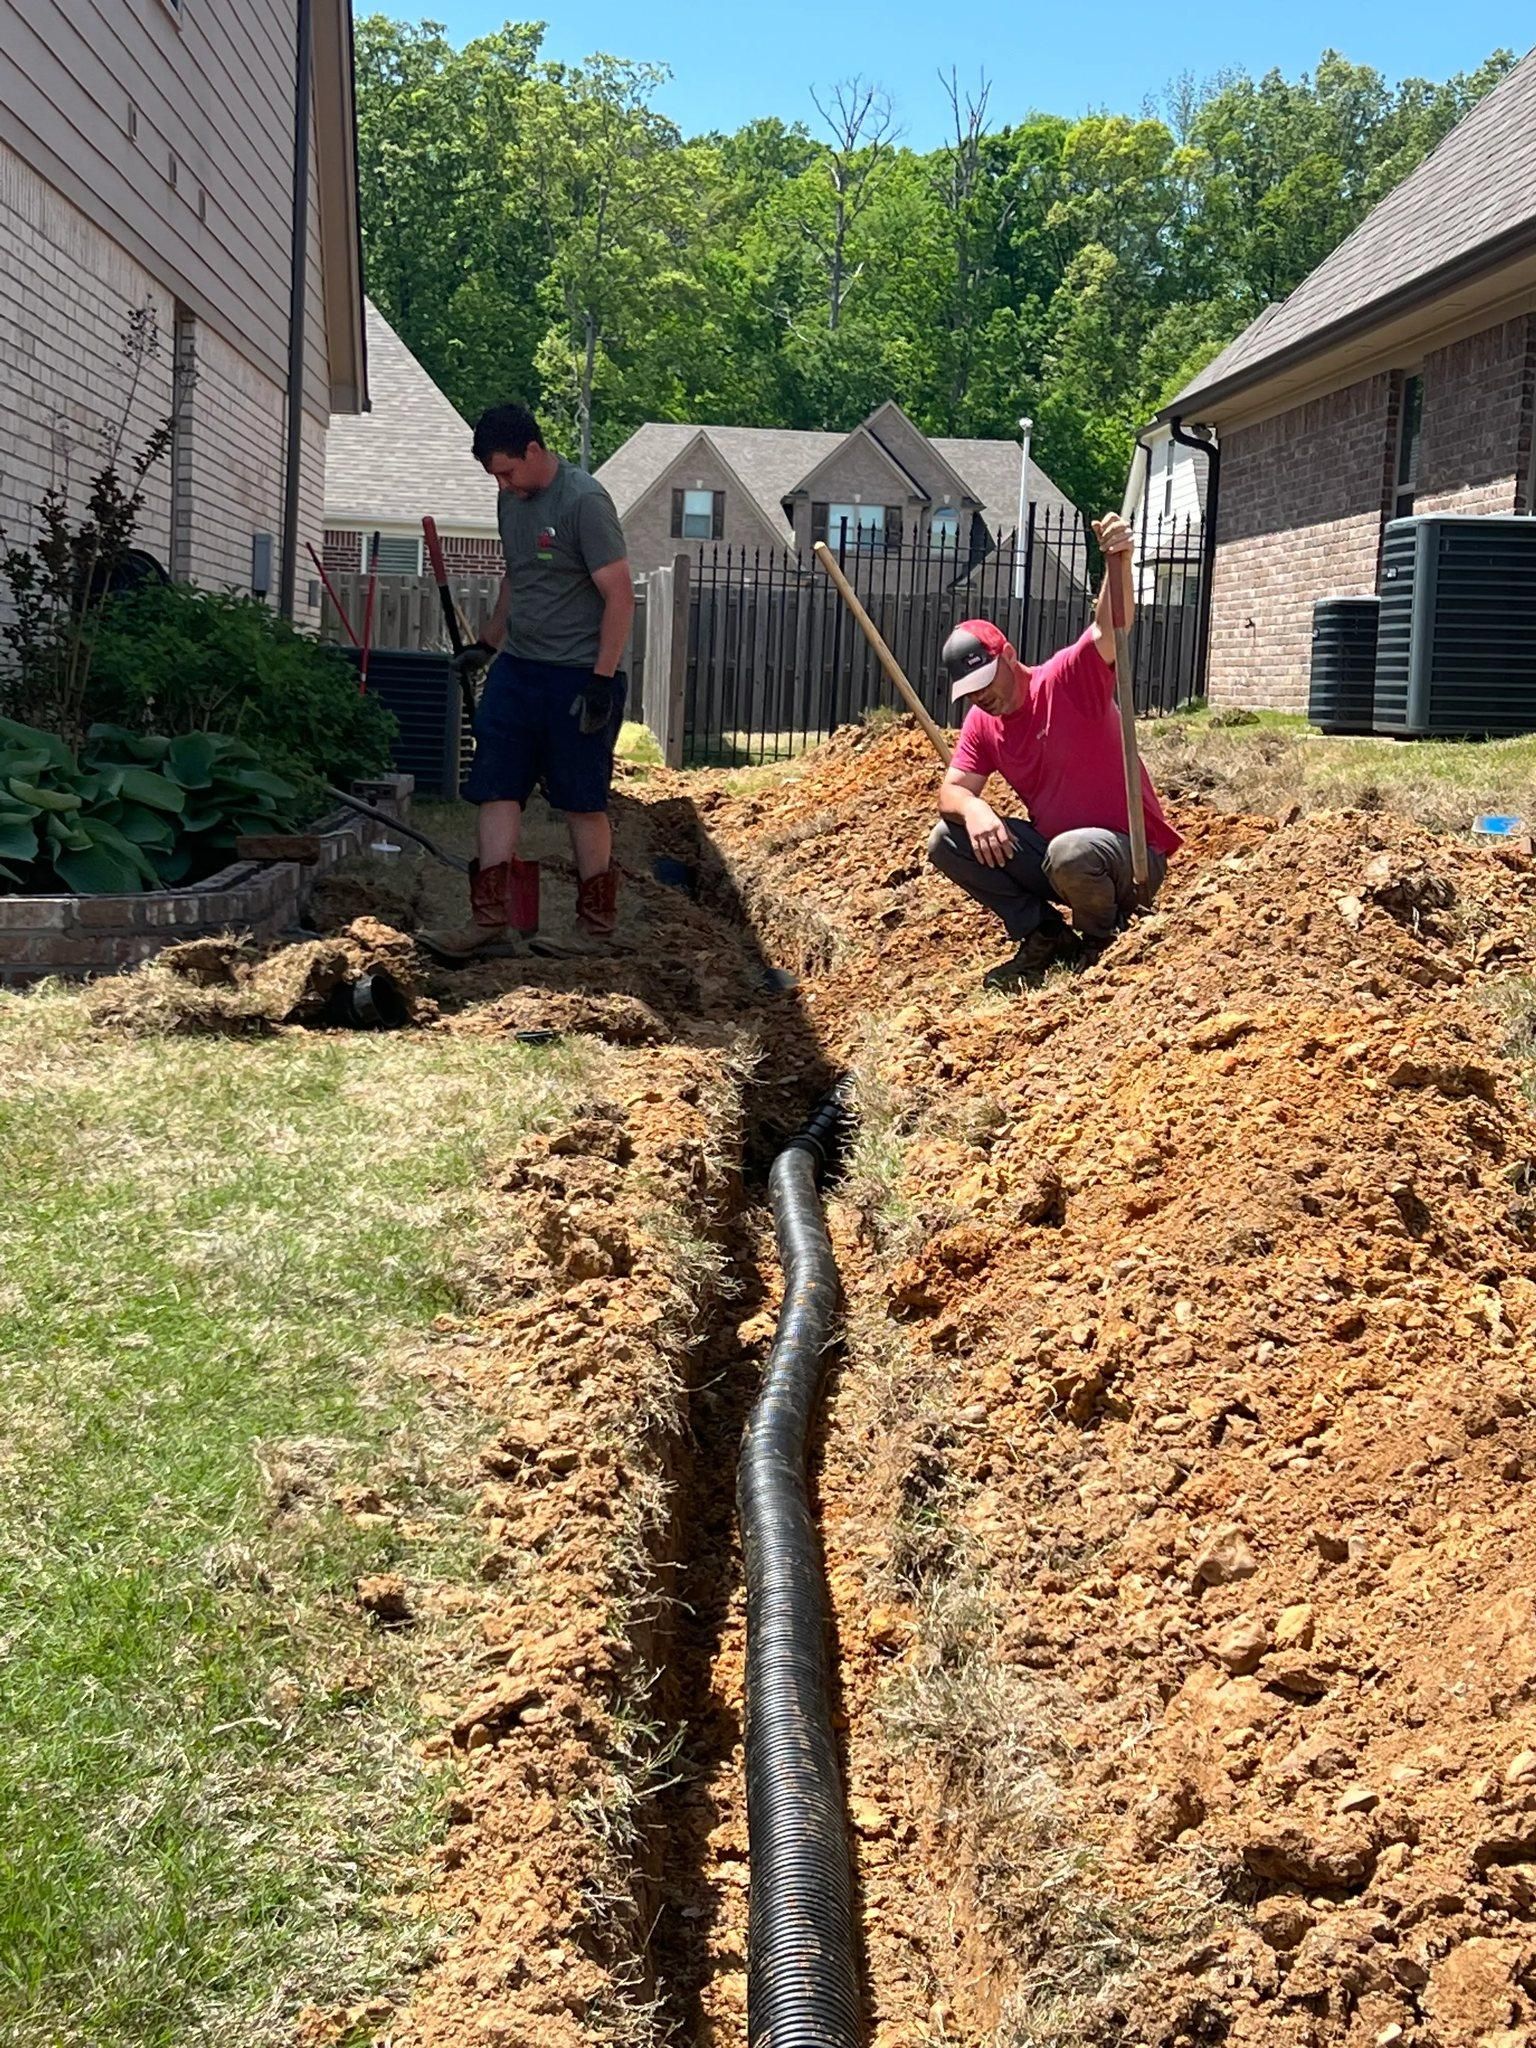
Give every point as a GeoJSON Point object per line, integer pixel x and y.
{"type": "Point", "coordinates": [554, 694]}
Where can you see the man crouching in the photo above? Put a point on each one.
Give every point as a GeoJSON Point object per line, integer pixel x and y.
{"type": "Point", "coordinates": [1053, 734]}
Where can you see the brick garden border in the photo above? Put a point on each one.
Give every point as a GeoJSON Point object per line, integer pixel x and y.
{"type": "Point", "coordinates": [78, 936]}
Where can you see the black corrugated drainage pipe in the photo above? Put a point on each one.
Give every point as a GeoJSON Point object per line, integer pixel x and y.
{"type": "Point", "coordinates": [802, 1967]}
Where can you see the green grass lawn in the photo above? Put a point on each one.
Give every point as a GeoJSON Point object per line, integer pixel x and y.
{"type": "Point", "coordinates": [1280, 759]}
{"type": "Point", "coordinates": [213, 1257]}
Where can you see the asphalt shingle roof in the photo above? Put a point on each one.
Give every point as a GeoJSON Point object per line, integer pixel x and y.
{"type": "Point", "coordinates": [409, 455]}
{"type": "Point", "coordinates": [1477, 188]}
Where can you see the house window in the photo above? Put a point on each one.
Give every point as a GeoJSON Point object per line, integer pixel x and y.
{"type": "Point", "coordinates": [1407, 474]}
{"type": "Point", "coordinates": [945, 531]}
{"type": "Point", "coordinates": [698, 515]}
{"type": "Point", "coordinates": [399, 554]}
{"type": "Point", "coordinates": [865, 525]}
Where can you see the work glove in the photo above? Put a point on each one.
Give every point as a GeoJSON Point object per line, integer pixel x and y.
{"type": "Point", "coordinates": [594, 706]}
{"type": "Point", "coordinates": [469, 661]}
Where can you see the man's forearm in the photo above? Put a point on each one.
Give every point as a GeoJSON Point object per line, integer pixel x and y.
{"type": "Point", "coordinates": [958, 804]}
{"type": "Point", "coordinates": [618, 616]}
{"type": "Point", "coordinates": [494, 631]}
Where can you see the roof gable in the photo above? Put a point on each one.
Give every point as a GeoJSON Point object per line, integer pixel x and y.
{"type": "Point", "coordinates": [1474, 196]}
{"type": "Point", "coordinates": [774, 462]}
{"type": "Point", "coordinates": [807, 485]}
{"type": "Point", "coordinates": [409, 454]}
{"type": "Point", "coordinates": [918, 451]}
{"type": "Point", "coordinates": [771, 522]}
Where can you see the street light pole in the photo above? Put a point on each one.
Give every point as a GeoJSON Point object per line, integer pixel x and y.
{"type": "Point", "coordinates": [1021, 530]}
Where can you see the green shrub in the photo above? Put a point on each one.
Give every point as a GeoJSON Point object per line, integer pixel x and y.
{"type": "Point", "coordinates": [132, 812]}
{"type": "Point", "coordinates": [176, 659]}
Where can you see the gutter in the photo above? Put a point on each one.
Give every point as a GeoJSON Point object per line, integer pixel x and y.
{"type": "Point", "coordinates": [1517, 241]}
{"type": "Point", "coordinates": [1212, 456]}
{"type": "Point", "coordinates": [298, 288]}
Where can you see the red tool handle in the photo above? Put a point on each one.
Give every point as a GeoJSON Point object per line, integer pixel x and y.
{"type": "Point", "coordinates": [330, 591]}
{"type": "Point", "coordinates": [440, 574]}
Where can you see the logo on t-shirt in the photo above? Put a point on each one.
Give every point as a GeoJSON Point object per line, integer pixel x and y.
{"type": "Point", "coordinates": [546, 544]}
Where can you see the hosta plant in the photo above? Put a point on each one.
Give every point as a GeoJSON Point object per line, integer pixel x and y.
{"type": "Point", "coordinates": [130, 811]}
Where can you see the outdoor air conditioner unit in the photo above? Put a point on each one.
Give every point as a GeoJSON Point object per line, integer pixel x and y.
{"type": "Point", "coordinates": [1343, 682]}
{"type": "Point", "coordinates": [420, 688]}
{"type": "Point", "coordinates": [1456, 646]}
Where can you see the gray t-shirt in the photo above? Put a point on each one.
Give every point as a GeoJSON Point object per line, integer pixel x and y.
{"type": "Point", "coordinates": [552, 544]}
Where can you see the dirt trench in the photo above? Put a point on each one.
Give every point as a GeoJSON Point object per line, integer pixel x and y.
{"type": "Point", "coordinates": [1174, 1471]}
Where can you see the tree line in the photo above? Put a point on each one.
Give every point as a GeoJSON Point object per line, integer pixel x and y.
{"type": "Point", "coordinates": [543, 231]}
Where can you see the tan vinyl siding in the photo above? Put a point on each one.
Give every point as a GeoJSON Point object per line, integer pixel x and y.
{"type": "Point", "coordinates": [217, 91]}
{"type": "Point", "coordinates": [65, 295]}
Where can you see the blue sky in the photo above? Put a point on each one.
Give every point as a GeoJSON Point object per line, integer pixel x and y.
{"type": "Point", "coordinates": [734, 59]}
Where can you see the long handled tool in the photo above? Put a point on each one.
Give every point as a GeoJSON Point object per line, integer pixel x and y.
{"type": "Point", "coordinates": [450, 609]}
{"type": "Point", "coordinates": [883, 654]}
{"type": "Point", "coordinates": [367, 646]}
{"type": "Point", "coordinates": [330, 591]}
{"type": "Point", "coordinates": [1119, 570]}
{"type": "Point", "coordinates": [356, 803]}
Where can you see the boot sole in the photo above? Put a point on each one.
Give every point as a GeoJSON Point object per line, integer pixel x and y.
{"type": "Point", "coordinates": [502, 950]}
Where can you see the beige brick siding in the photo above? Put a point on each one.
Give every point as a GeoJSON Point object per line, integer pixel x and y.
{"type": "Point", "coordinates": [1475, 443]}
{"type": "Point", "coordinates": [648, 535]}
{"type": "Point", "coordinates": [858, 473]}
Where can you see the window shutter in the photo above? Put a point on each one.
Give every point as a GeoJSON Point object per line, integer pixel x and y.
{"type": "Point", "coordinates": [893, 526]}
{"type": "Point", "coordinates": [717, 523]}
{"type": "Point", "coordinates": [818, 522]}
{"type": "Point", "coordinates": [677, 515]}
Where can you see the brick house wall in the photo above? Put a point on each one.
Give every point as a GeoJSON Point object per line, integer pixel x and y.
{"type": "Point", "coordinates": [858, 472]}
{"type": "Point", "coordinates": [465, 554]}
{"type": "Point", "coordinates": [648, 534]}
{"type": "Point", "coordinates": [1305, 495]}
{"type": "Point", "coordinates": [1302, 502]}
{"type": "Point", "coordinates": [1475, 443]}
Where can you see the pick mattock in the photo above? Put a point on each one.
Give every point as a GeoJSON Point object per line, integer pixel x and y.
{"type": "Point", "coordinates": [1119, 570]}
{"type": "Point", "coordinates": [883, 654]}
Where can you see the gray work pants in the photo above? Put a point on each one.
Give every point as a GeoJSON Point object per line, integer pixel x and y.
{"type": "Point", "coordinates": [1089, 870]}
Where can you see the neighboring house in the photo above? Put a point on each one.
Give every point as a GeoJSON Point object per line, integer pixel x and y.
{"type": "Point", "coordinates": [147, 157]}
{"type": "Point", "coordinates": [884, 485]}
{"type": "Point", "coordinates": [1170, 520]}
{"type": "Point", "coordinates": [1399, 376]}
{"type": "Point", "coordinates": [407, 455]}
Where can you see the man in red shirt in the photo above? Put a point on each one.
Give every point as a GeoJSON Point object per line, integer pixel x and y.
{"type": "Point", "coordinates": [1053, 734]}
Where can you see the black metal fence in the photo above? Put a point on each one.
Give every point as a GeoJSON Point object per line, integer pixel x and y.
{"type": "Point", "coordinates": [776, 661]}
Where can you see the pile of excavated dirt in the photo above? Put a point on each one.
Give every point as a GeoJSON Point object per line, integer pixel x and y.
{"type": "Point", "coordinates": [226, 985]}
{"type": "Point", "coordinates": [1211, 1275]}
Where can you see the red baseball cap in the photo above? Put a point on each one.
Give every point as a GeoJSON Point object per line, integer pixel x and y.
{"type": "Point", "coordinates": [970, 657]}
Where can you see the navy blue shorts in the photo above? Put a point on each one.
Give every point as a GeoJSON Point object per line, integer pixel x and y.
{"type": "Point", "coordinates": [528, 731]}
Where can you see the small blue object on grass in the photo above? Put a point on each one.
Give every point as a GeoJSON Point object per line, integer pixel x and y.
{"type": "Point", "coordinates": [1497, 825]}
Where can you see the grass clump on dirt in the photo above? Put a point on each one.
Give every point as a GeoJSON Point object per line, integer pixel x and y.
{"type": "Point", "coordinates": [212, 1251]}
